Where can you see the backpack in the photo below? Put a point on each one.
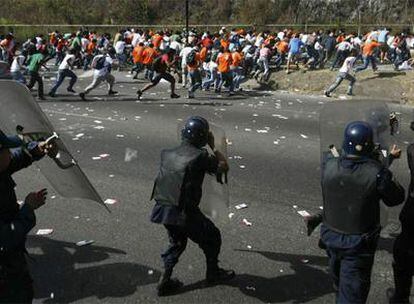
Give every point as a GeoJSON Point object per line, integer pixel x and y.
{"type": "Point", "coordinates": [191, 57]}
{"type": "Point", "coordinates": [99, 64]}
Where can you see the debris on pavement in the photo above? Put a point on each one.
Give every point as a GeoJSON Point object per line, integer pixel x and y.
{"type": "Point", "coordinates": [44, 232]}
{"type": "Point", "coordinates": [246, 222]}
{"type": "Point", "coordinates": [130, 154]}
{"type": "Point", "coordinates": [84, 243]}
{"type": "Point", "coordinates": [241, 206]}
{"type": "Point", "coordinates": [304, 213]}
{"type": "Point", "coordinates": [110, 201]}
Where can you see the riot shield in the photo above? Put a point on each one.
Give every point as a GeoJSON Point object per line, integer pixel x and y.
{"type": "Point", "coordinates": [22, 115]}
{"type": "Point", "coordinates": [335, 116]}
{"type": "Point", "coordinates": [215, 199]}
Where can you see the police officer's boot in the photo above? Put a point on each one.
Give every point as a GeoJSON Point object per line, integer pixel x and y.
{"type": "Point", "coordinates": [166, 285]}
{"type": "Point", "coordinates": [216, 275]}
{"type": "Point", "coordinates": [402, 282]}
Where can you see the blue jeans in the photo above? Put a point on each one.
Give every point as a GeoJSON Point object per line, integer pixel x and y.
{"type": "Point", "coordinates": [339, 79]}
{"type": "Point", "coordinates": [18, 76]}
{"type": "Point", "coordinates": [237, 77]}
{"type": "Point", "coordinates": [195, 77]}
{"type": "Point", "coordinates": [350, 261]}
{"type": "Point", "coordinates": [225, 77]}
{"type": "Point", "coordinates": [62, 74]}
{"type": "Point", "coordinates": [367, 60]}
{"type": "Point", "coordinates": [211, 79]}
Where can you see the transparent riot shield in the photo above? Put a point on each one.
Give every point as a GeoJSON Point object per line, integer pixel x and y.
{"type": "Point", "coordinates": [215, 199]}
{"type": "Point", "coordinates": [22, 115]}
{"type": "Point", "coordinates": [335, 116]}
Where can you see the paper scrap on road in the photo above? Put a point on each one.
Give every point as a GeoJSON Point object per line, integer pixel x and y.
{"type": "Point", "coordinates": [150, 272]}
{"type": "Point", "coordinates": [97, 121]}
{"type": "Point", "coordinates": [250, 288]}
{"type": "Point", "coordinates": [246, 222]}
{"type": "Point", "coordinates": [96, 158]}
{"type": "Point", "coordinates": [242, 166]}
{"type": "Point", "coordinates": [247, 129]}
{"type": "Point", "coordinates": [99, 127]}
{"type": "Point", "coordinates": [241, 206]}
{"type": "Point", "coordinates": [79, 135]}
{"type": "Point", "coordinates": [120, 135]}
{"type": "Point", "coordinates": [110, 201]}
{"type": "Point", "coordinates": [231, 214]}
{"type": "Point", "coordinates": [304, 213]}
{"type": "Point", "coordinates": [84, 243]}
{"type": "Point", "coordinates": [304, 136]}
{"type": "Point", "coordinates": [249, 247]}
{"type": "Point", "coordinates": [262, 131]}
{"type": "Point", "coordinates": [130, 154]}
{"type": "Point", "coordinates": [44, 231]}
{"type": "Point", "coordinates": [104, 155]}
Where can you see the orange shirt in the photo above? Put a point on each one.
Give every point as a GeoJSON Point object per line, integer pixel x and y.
{"type": "Point", "coordinates": [368, 48]}
{"type": "Point", "coordinates": [90, 48]}
{"type": "Point", "coordinates": [224, 61]}
{"type": "Point", "coordinates": [156, 40]}
{"type": "Point", "coordinates": [196, 64]}
{"type": "Point", "coordinates": [282, 47]}
{"type": "Point", "coordinates": [203, 54]}
{"type": "Point", "coordinates": [236, 58]}
{"type": "Point", "coordinates": [149, 54]}
{"type": "Point", "coordinates": [225, 43]}
{"type": "Point", "coordinates": [137, 54]}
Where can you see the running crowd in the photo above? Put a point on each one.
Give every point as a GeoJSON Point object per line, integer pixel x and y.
{"type": "Point", "coordinates": [201, 60]}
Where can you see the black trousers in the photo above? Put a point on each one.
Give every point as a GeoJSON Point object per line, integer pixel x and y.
{"type": "Point", "coordinates": [16, 284]}
{"type": "Point", "coordinates": [403, 267]}
{"type": "Point", "coordinates": [201, 231]}
{"type": "Point", "coordinates": [35, 77]}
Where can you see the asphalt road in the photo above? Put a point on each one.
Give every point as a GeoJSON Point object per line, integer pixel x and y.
{"type": "Point", "coordinates": [274, 161]}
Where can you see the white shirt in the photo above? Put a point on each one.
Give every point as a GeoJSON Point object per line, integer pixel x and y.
{"type": "Point", "coordinates": [135, 39]}
{"type": "Point", "coordinates": [344, 46]}
{"type": "Point", "coordinates": [106, 67]}
{"type": "Point", "coordinates": [259, 42]}
{"type": "Point", "coordinates": [347, 65]}
{"type": "Point", "coordinates": [65, 62]}
{"type": "Point", "coordinates": [120, 47]}
{"type": "Point", "coordinates": [281, 35]}
{"type": "Point", "coordinates": [17, 64]}
{"type": "Point", "coordinates": [175, 45]}
{"type": "Point", "coordinates": [84, 43]}
{"type": "Point", "coordinates": [184, 53]}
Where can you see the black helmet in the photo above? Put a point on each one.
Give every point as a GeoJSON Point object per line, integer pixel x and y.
{"type": "Point", "coordinates": [196, 131]}
{"type": "Point", "coordinates": [358, 139]}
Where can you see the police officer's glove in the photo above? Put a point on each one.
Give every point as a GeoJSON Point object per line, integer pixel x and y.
{"type": "Point", "coordinates": [36, 199]}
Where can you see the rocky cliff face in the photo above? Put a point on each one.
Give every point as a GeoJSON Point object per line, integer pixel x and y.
{"type": "Point", "coordinates": [371, 11]}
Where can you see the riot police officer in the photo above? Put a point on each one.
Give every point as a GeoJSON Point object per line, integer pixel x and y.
{"type": "Point", "coordinates": [177, 193]}
{"type": "Point", "coordinates": [403, 265]}
{"type": "Point", "coordinates": [352, 186]}
{"type": "Point", "coordinates": [16, 221]}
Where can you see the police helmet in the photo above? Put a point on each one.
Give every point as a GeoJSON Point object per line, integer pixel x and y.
{"type": "Point", "coordinates": [196, 131]}
{"type": "Point", "coordinates": [358, 139]}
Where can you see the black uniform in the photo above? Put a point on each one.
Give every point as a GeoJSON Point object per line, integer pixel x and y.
{"type": "Point", "coordinates": [404, 246]}
{"type": "Point", "coordinates": [15, 223]}
{"type": "Point", "coordinates": [177, 193]}
{"type": "Point", "coordinates": [352, 189]}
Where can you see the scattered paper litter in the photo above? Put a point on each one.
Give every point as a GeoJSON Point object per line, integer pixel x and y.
{"type": "Point", "coordinates": [305, 261]}
{"type": "Point", "coordinates": [63, 118]}
{"type": "Point", "coordinates": [250, 288]}
{"type": "Point", "coordinates": [303, 136]}
{"type": "Point", "coordinates": [295, 206]}
{"type": "Point", "coordinates": [76, 217]}
{"type": "Point", "coordinates": [262, 131]}
{"type": "Point", "coordinates": [111, 175]}
{"type": "Point", "coordinates": [110, 201]}
{"type": "Point", "coordinates": [246, 222]}
{"type": "Point", "coordinates": [104, 155]}
{"type": "Point", "coordinates": [343, 97]}
{"type": "Point", "coordinates": [120, 135]}
{"type": "Point", "coordinates": [231, 214]}
{"type": "Point", "coordinates": [242, 166]}
{"type": "Point", "coordinates": [44, 231]}
{"type": "Point", "coordinates": [84, 243]}
{"type": "Point", "coordinates": [276, 142]}
{"type": "Point", "coordinates": [321, 207]}
{"type": "Point", "coordinates": [304, 213]}
{"type": "Point", "coordinates": [150, 272]}
{"type": "Point", "coordinates": [96, 158]}
{"type": "Point", "coordinates": [97, 121]}
{"type": "Point", "coordinates": [249, 247]}
{"type": "Point", "coordinates": [241, 206]}
{"type": "Point", "coordinates": [53, 197]}
{"type": "Point", "coordinates": [52, 295]}
{"type": "Point", "coordinates": [130, 154]}
{"type": "Point", "coordinates": [79, 135]}
{"type": "Point", "coordinates": [247, 129]}
{"type": "Point", "coordinates": [99, 127]}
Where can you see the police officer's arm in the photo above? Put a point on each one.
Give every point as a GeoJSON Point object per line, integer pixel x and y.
{"type": "Point", "coordinates": [13, 234]}
{"type": "Point", "coordinates": [22, 158]}
{"type": "Point", "coordinates": [391, 192]}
